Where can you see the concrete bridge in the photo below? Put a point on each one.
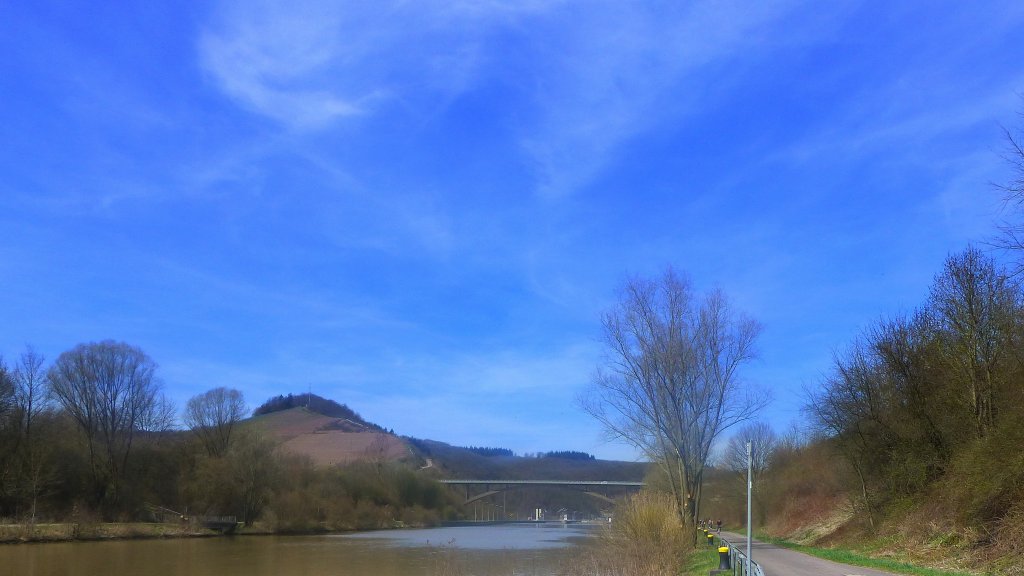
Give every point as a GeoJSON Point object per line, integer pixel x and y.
{"type": "Point", "coordinates": [591, 487]}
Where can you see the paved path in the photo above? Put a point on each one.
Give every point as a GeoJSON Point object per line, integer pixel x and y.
{"type": "Point", "coordinates": [778, 561]}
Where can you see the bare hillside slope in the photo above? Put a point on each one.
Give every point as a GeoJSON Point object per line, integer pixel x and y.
{"type": "Point", "coordinates": [328, 440]}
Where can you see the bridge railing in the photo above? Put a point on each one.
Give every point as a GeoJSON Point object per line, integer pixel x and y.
{"type": "Point", "coordinates": [595, 483]}
{"type": "Point", "coordinates": [738, 561]}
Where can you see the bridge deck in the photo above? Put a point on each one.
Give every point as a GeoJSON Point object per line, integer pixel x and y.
{"type": "Point", "coordinates": [548, 482]}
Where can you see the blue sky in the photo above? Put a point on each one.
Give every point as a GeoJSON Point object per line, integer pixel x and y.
{"type": "Point", "coordinates": [422, 208]}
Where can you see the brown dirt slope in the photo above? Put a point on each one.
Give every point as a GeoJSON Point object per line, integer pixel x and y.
{"type": "Point", "coordinates": [328, 440]}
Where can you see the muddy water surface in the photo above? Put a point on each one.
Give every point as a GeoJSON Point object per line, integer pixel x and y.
{"type": "Point", "coordinates": [504, 550]}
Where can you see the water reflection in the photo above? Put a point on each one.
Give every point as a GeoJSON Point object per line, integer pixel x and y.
{"type": "Point", "coordinates": [520, 550]}
{"type": "Point", "coordinates": [502, 537]}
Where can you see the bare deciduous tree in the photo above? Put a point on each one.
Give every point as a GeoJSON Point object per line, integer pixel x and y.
{"type": "Point", "coordinates": [212, 416]}
{"type": "Point", "coordinates": [913, 390]}
{"type": "Point", "coordinates": [32, 400]}
{"type": "Point", "coordinates": [670, 385]}
{"type": "Point", "coordinates": [1011, 235]}
{"type": "Point", "coordinates": [7, 389]}
{"type": "Point", "coordinates": [974, 307]}
{"type": "Point", "coordinates": [110, 390]}
{"type": "Point", "coordinates": [8, 430]}
{"type": "Point", "coordinates": [848, 407]}
{"type": "Point", "coordinates": [763, 443]}
{"type": "Point", "coordinates": [30, 379]}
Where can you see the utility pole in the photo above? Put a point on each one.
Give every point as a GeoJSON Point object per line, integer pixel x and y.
{"type": "Point", "coordinates": [750, 488]}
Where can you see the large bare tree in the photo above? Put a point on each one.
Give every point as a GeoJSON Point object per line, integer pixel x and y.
{"type": "Point", "coordinates": [670, 384]}
{"type": "Point", "coordinates": [110, 390]}
{"type": "Point", "coordinates": [212, 416]}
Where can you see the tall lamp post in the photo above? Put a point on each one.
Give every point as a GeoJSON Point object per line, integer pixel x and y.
{"type": "Point", "coordinates": [750, 488]}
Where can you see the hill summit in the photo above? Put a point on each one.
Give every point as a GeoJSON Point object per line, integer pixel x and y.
{"type": "Point", "coordinates": [328, 432]}
{"type": "Point", "coordinates": [319, 405]}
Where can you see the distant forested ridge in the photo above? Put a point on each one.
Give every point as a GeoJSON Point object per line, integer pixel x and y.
{"type": "Point", "coordinates": [568, 455]}
{"type": "Point", "coordinates": [490, 452]}
{"type": "Point", "coordinates": [492, 463]}
{"type": "Point", "coordinates": [315, 403]}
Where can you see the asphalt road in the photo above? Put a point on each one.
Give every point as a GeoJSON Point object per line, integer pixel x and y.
{"type": "Point", "coordinates": [777, 561]}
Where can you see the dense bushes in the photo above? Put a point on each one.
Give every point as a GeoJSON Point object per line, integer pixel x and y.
{"type": "Point", "coordinates": [356, 497]}
{"type": "Point", "coordinates": [253, 481]}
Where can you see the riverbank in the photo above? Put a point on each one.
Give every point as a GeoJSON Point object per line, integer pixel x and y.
{"type": "Point", "coordinates": [72, 531]}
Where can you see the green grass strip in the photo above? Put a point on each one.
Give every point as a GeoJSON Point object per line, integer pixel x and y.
{"type": "Point", "coordinates": [701, 560]}
{"type": "Point", "coordinates": [850, 557]}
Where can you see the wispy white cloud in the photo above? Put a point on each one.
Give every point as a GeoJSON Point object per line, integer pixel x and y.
{"type": "Point", "coordinates": [306, 64]}
{"type": "Point", "coordinates": [269, 57]}
{"type": "Point", "coordinates": [602, 73]}
{"type": "Point", "coordinates": [625, 68]}
{"type": "Point", "coordinates": [894, 115]}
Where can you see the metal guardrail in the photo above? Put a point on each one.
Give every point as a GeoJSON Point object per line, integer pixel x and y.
{"type": "Point", "coordinates": [738, 561]}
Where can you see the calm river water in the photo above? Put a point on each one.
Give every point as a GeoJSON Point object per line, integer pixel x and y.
{"type": "Point", "coordinates": [504, 550]}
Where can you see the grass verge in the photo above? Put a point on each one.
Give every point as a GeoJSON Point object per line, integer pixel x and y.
{"type": "Point", "coordinates": [701, 561]}
{"type": "Point", "coordinates": [856, 559]}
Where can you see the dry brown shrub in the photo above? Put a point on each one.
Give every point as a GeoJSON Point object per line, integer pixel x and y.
{"type": "Point", "coordinates": [1008, 551]}
{"type": "Point", "coordinates": [645, 538]}
{"type": "Point", "coordinates": [295, 511]}
{"type": "Point", "coordinates": [806, 496]}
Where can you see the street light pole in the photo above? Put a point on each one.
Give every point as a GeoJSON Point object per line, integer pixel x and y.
{"type": "Point", "coordinates": [750, 488]}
